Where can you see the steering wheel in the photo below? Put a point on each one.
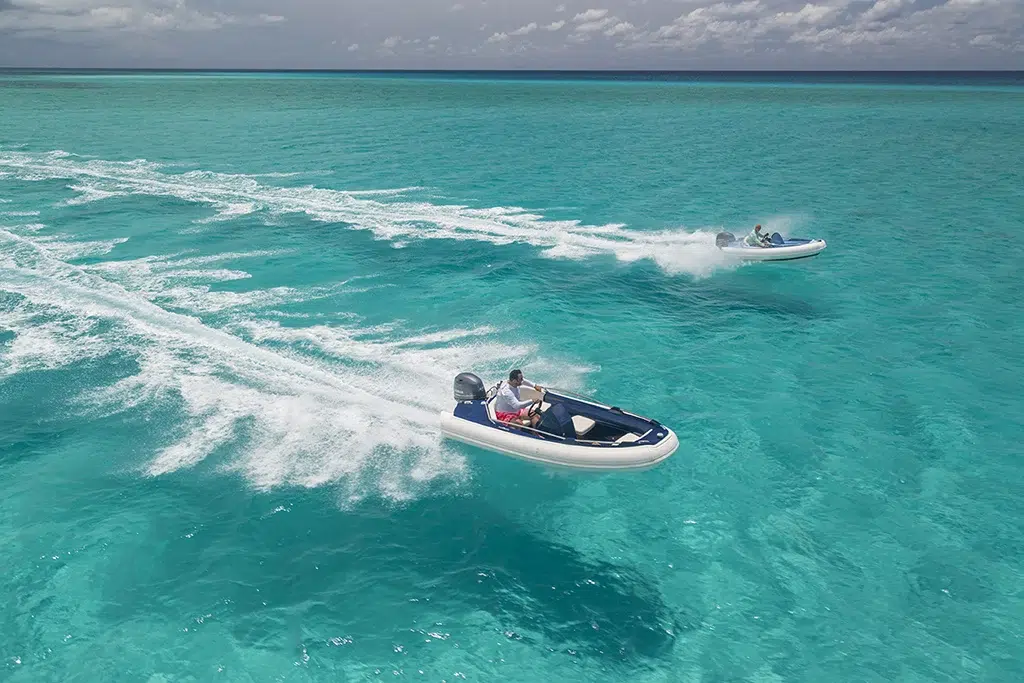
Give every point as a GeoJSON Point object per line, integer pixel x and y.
{"type": "Point", "coordinates": [534, 410]}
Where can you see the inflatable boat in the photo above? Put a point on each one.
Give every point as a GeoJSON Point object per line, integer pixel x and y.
{"type": "Point", "coordinates": [779, 249]}
{"type": "Point", "coordinates": [573, 432]}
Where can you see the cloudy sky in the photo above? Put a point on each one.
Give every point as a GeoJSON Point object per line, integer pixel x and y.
{"type": "Point", "coordinates": [636, 34]}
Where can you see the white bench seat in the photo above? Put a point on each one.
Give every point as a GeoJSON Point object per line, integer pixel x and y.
{"type": "Point", "coordinates": [582, 425]}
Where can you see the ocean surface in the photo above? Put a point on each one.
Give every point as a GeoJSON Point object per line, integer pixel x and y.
{"type": "Point", "coordinates": [232, 307]}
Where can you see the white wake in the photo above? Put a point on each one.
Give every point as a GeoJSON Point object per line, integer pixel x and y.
{"type": "Point", "coordinates": [303, 406]}
{"type": "Point", "coordinates": [387, 213]}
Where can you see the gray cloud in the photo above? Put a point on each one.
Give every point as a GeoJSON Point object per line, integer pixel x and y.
{"type": "Point", "coordinates": [684, 34]}
{"type": "Point", "coordinates": [37, 17]}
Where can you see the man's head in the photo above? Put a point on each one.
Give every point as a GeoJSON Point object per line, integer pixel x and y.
{"type": "Point", "coordinates": [757, 228]}
{"type": "Point", "coordinates": [515, 378]}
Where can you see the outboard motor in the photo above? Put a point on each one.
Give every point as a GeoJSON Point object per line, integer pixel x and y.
{"type": "Point", "coordinates": [724, 239]}
{"type": "Point", "coordinates": [469, 387]}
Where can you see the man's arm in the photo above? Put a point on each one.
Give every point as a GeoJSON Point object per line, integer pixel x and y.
{"type": "Point", "coordinates": [506, 391]}
{"type": "Point", "coordinates": [522, 404]}
{"type": "Point", "coordinates": [531, 385]}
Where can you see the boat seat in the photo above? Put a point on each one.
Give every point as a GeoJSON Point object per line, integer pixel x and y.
{"type": "Point", "coordinates": [628, 437]}
{"type": "Point", "coordinates": [582, 425]}
{"type": "Point", "coordinates": [494, 416]}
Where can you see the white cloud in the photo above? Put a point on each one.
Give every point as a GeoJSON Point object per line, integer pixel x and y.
{"type": "Point", "coordinates": [503, 36]}
{"type": "Point", "coordinates": [107, 15]}
{"type": "Point", "coordinates": [595, 21]}
{"type": "Point", "coordinates": [808, 14]}
{"type": "Point", "coordinates": [733, 25]}
{"type": "Point", "coordinates": [989, 41]}
{"type": "Point", "coordinates": [353, 47]}
{"type": "Point", "coordinates": [832, 38]}
{"type": "Point", "coordinates": [882, 10]}
{"type": "Point", "coordinates": [620, 29]}
{"type": "Point", "coordinates": [590, 15]}
{"type": "Point", "coordinates": [798, 27]}
{"type": "Point", "coordinates": [524, 30]}
{"type": "Point", "coordinates": [898, 27]}
{"type": "Point", "coordinates": [594, 26]}
{"type": "Point", "coordinates": [737, 33]}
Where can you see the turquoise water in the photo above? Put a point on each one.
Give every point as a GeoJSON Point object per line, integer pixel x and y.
{"type": "Point", "coordinates": [231, 308]}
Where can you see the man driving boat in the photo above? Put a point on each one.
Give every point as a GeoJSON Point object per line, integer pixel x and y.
{"type": "Point", "coordinates": [508, 407]}
{"type": "Point", "coordinates": [756, 239]}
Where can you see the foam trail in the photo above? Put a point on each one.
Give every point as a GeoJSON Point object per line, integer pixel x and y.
{"type": "Point", "coordinates": [179, 282]}
{"type": "Point", "coordinates": [369, 421]}
{"type": "Point", "coordinates": [43, 339]}
{"type": "Point", "coordinates": [64, 247]}
{"type": "Point", "coordinates": [393, 359]}
{"type": "Point", "coordinates": [383, 212]}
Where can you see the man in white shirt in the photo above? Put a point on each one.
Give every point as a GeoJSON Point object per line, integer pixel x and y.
{"type": "Point", "coordinates": [756, 238]}
{"type": "Point", "coordinates": [508, 407]}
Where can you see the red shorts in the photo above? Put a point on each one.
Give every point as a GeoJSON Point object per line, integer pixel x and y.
{"type": "Point", "coordinates": [508, 417]}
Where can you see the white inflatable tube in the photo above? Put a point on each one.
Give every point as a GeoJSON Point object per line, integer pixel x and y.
{"type": "Point", "coordinates": [573, 456]}
{"type": "Point", "coordinates": [785, 252]}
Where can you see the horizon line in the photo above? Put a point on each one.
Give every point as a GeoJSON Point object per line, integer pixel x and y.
{"type": "Point", "coordinates": [509, 70]}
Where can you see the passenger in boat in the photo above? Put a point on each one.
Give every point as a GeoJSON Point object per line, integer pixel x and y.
{"type": "Point", "coordinates": [756, 239]}
{"type": "Point", "coordinates": [508, 407]}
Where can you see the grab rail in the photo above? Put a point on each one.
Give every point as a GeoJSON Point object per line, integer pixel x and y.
{"type": "Point", "coordinates": [575, 394]}
{"type": "Point", "coordinates": [532, 429]}
{"type": "Point", "coordinates": [615, 443]}
{"type": "Point", "coordinates": [591, 399]}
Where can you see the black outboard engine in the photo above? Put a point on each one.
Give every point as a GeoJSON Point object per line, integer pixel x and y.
{"type": "Point", "coordinates": [469, 387]}
{"type": "Point", "coordinates": [724, 239]}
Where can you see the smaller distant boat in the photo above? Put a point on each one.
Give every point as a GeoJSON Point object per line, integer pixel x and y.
{"type": "Point", "coordinates": [779, 249]}
{"type": "Point", "coordinates": [574, 432]}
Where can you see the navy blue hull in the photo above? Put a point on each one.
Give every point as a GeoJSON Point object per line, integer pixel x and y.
{"type": "Point", "coordinates": [610, 423]}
